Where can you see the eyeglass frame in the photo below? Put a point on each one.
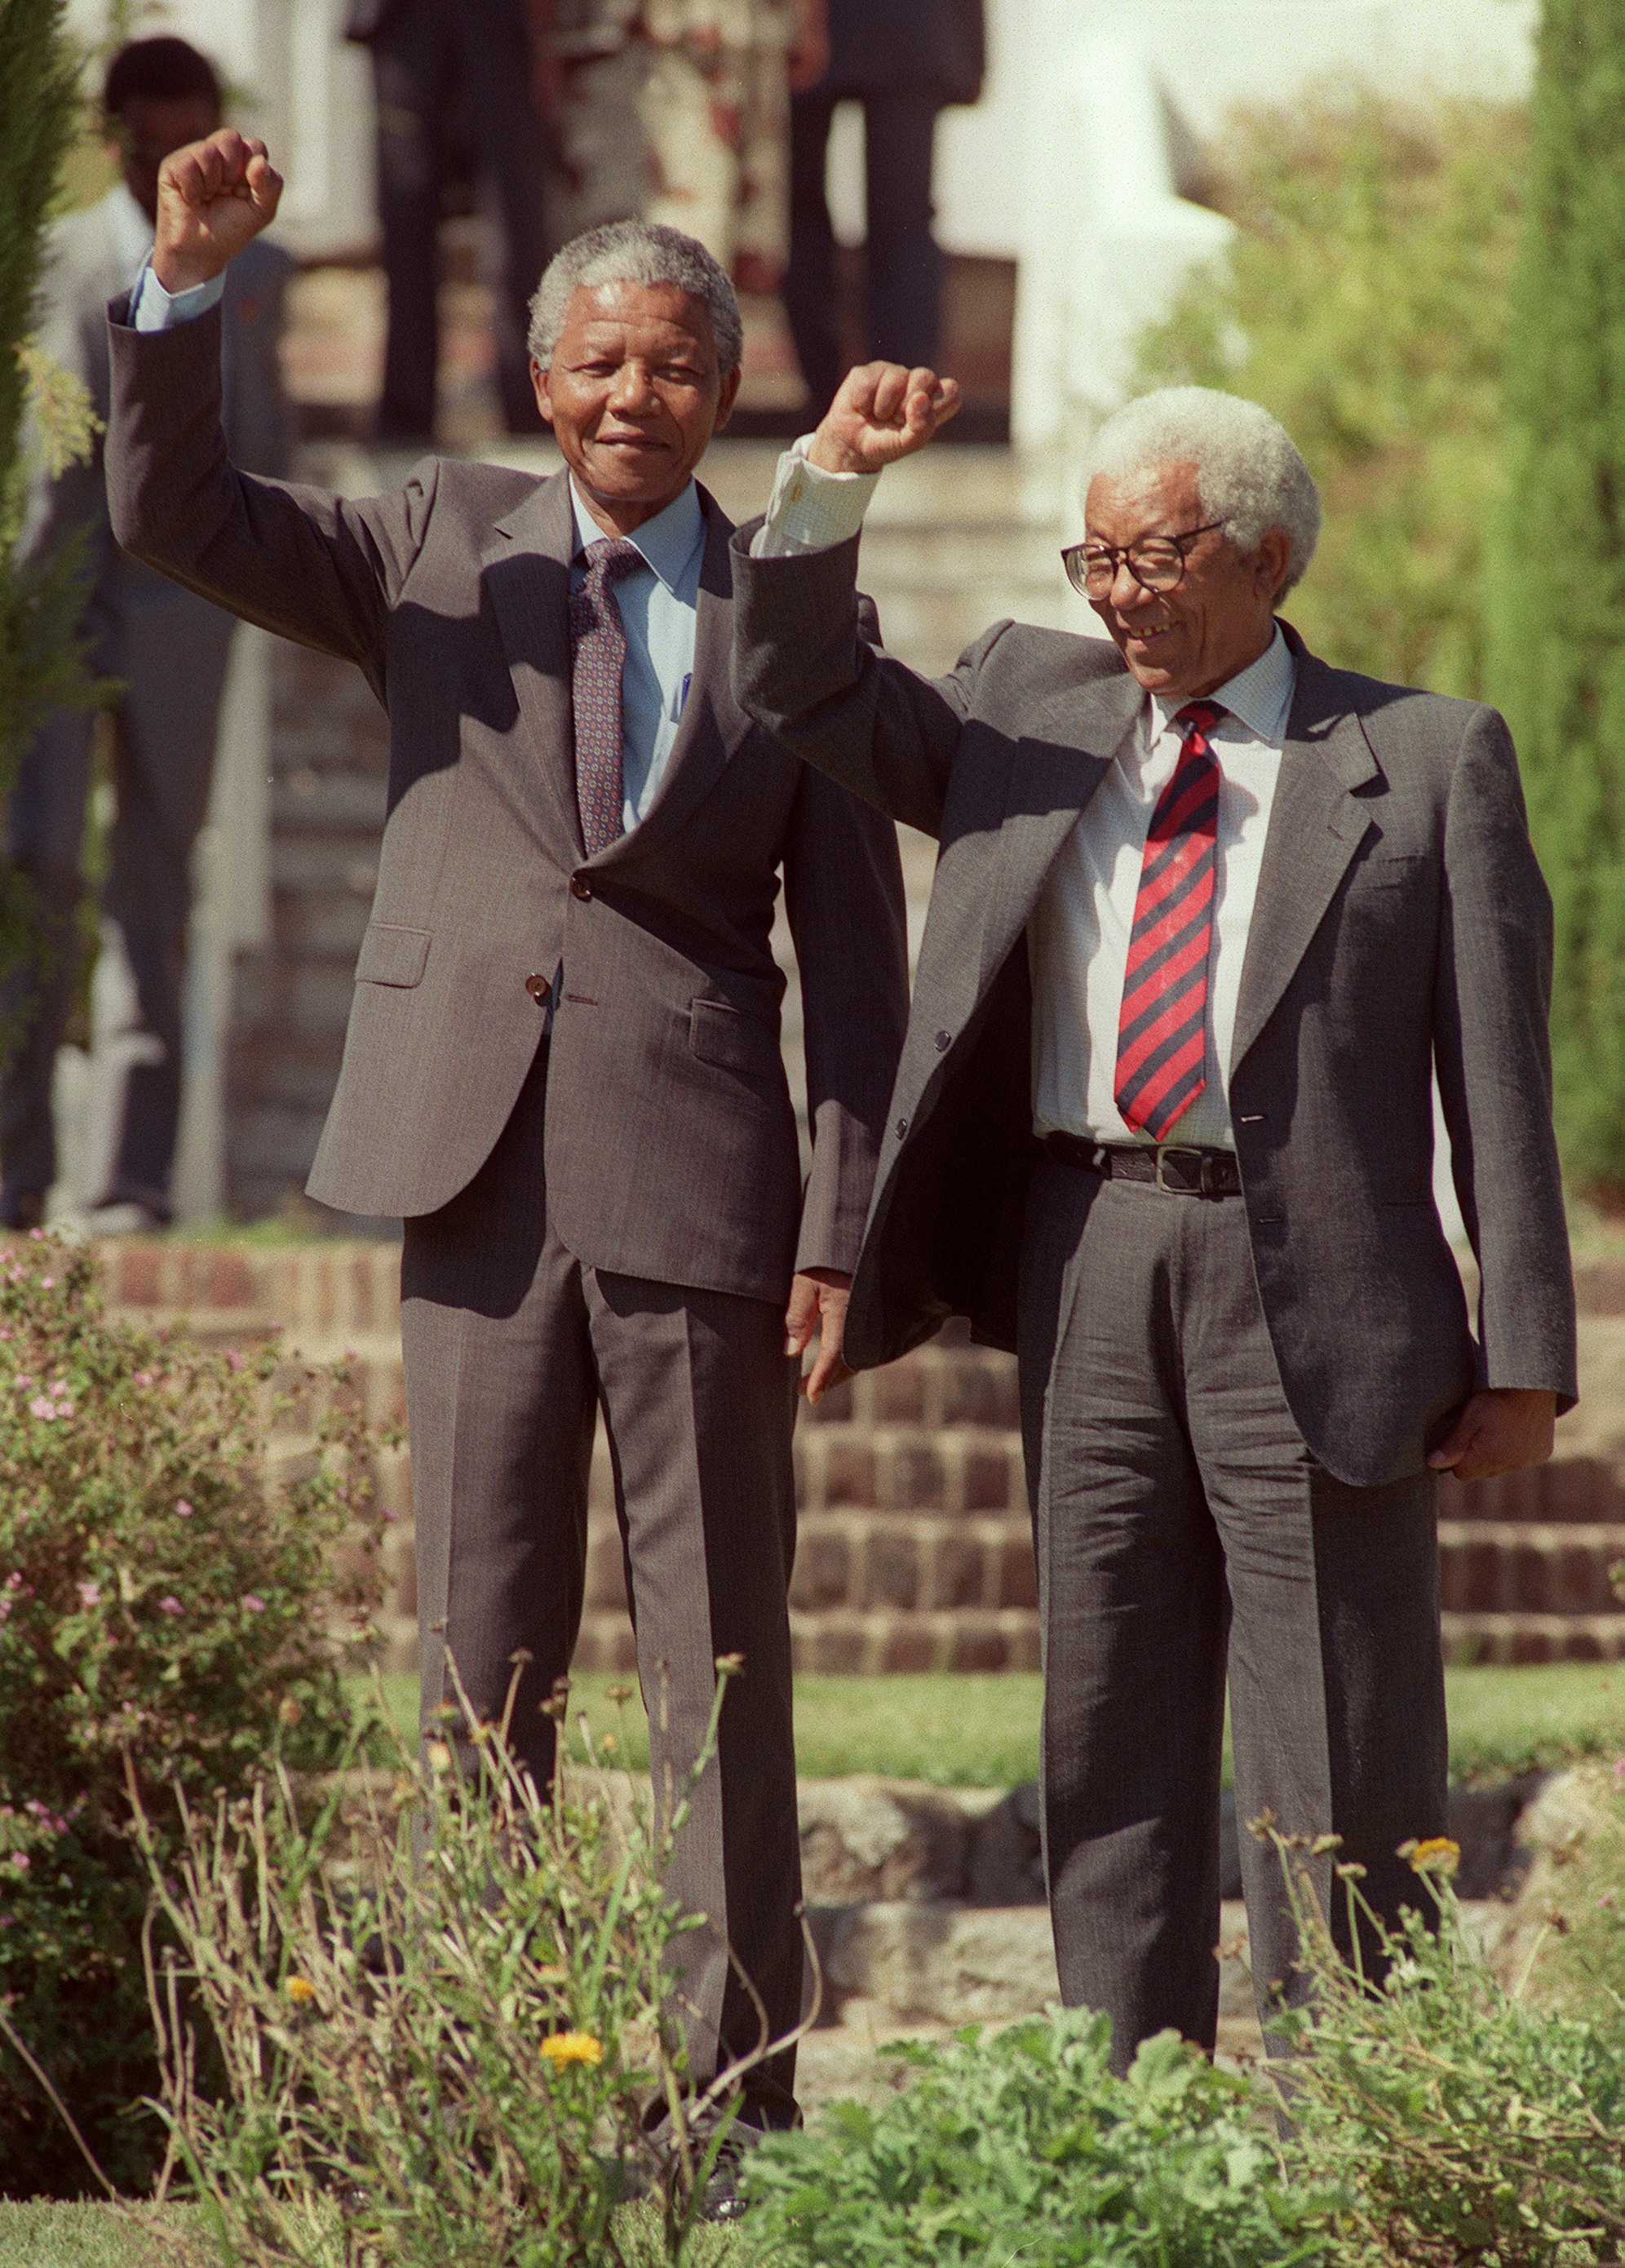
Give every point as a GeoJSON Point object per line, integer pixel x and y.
{"type": "Point", "coordinates": [1124, 553]}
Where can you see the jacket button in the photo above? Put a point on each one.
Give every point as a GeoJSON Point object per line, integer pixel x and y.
{"type": "Point", "coordinates": [539, 987]}
{"type": "Point", "coordinates": [580, 887]}
{"type": "Point", "coordinates": [944, 1040]}
{"type": "Point", "coordinates": [902, 1128]}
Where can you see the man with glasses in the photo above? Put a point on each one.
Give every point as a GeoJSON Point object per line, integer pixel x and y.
{"type": "Point", "coordinates": [1208, 917]}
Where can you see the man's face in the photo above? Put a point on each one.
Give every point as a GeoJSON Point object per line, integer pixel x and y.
{"type": "Point", "coordinates": [151, 128]}
{"type": "Point", "coordinates": [1218, 617]}
{"type": "Point", "coordinates": [634, 392]}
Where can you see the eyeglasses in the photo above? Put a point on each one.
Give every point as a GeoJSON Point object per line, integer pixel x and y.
{"type": "Point", "coordinates": [1156, 563]}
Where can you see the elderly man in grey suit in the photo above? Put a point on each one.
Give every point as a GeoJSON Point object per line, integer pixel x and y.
{"type": "Point", "coordinates": [167, 650]}
{"type": "Point", "coordinates": [1208, 916]}
{"type": "Point", "coordinates": [563, 1066]}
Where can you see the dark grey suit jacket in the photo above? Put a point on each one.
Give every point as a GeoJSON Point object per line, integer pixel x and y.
{"type": "Point", "coordinates": [876, 44]}
{"type": "Point", "coordinates": [671, 1141]}
{"type": "Point", "coordinates": [1401, 925]}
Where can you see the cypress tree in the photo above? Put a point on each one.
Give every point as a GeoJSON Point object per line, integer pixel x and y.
{"type": "Point", "coordinates": [44, 414]}
{"type": "Point", "coordinates": [1557, 584]}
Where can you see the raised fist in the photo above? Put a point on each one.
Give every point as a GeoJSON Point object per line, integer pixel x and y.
{"type": "Point", "coordinates": [213, 198]}
{"type": "Point", "coordinates": [881, 413]}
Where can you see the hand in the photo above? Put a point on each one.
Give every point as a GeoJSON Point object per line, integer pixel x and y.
{"type": "Point", "coordinates": [818, 1302]}
{"type": "Point", "coordinates": [807, 57]}
{"type": "Point", "coordinates": [1499, 1431]}
{"type": "Point", "coordinates": [881, 413]}
{"type": "Point", "coordinates": [213, 198]}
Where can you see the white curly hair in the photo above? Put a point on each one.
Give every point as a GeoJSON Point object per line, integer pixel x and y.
{"type": "Point", "coordinates": [635, 252]}
{"type": "Point", "coordinates": [1248, 473]}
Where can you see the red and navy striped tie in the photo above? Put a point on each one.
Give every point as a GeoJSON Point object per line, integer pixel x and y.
{"type": "Point", "coordinates": [1162, 1029]}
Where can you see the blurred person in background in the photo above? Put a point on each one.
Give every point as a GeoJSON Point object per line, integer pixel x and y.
{"type": "Point", "coordinates": [904, 61]}
{"type": "Point", "coordinates": [678, 111]}
{"type": "Point", "coordinates": [168, 651]}
{"type": "Point", "coordinates": [424, 54]}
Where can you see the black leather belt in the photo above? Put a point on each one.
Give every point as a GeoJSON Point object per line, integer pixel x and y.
{"type": "Point", "coordinates": [1181, 1173]}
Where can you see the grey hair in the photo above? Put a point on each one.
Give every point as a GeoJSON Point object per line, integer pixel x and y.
{"type": "Point", "coordinates": [1249, 474]}
{"type": "Point", "coordinates": [635, 252]}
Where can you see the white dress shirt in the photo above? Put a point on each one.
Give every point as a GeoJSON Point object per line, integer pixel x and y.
{"type": "Point", "coordinates": [1078, 940]}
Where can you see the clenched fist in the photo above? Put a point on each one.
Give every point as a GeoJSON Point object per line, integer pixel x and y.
{"type": "Point", "coordinates": [213, 198]}
{"type": "Point", "coordinates": [882, 412]}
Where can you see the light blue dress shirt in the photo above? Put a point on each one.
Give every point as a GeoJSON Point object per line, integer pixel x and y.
{"type": "Point", "coordinates": [659, 605]}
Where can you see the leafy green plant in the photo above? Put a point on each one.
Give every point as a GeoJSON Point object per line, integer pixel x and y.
{"type": "Point", "coordinates": [1453, 2121]}
{"type": "Point", "coordinates": [160, 1603]}
{"type": "Point", "coordinates": [447, 2012]}
{"type": "Point", "coordinates": [1023, 2147]}
{"type": "Point", "coordinates": [1364, 301]}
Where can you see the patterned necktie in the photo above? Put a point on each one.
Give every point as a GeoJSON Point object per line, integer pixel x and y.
{"type": "Point", "coordinates": [1162, 1029]}
{"type": "Point", "coordinates": [597, 655]}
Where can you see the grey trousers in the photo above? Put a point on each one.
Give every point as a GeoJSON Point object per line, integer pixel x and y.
{"type": "Point", "coordinates": [1185, 1534]}
{"type": "Point", "coordinates": [171, 649]}
{"type": "Point", "coordinates": [510, 1347]}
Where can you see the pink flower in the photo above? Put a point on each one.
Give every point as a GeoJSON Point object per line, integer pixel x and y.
{"type": "Point", "coordinates": [90, 1594]}
{"type": "Point", "coordinates": [256, 1605]}
{"type": "Point", "coordinates": [143, 1378]}
{"type": "Point", "coordinates": [41, 1407]}
{"type": "Point", "coordinates": [7, 1922]}
{"type": "Point", "coordinates": [1619, 1772]}
{"type": "Point", "coordinates": [47, 1283]}
{"type": "Point", "coordinates": [24, 1378]}
{"type": "Point", "coordinates": [36, 1236]}
{"type": "Point", "coordinates": [171, 1605]}
{"type": "Point", "coordinates": [233, 1358]}
{"type": "Point", "coordinates": [5, 1331]}
{"type": "Point", "coordinates": [183, 1510]}
{"type": "Point", "coordinates": [21, 1862]}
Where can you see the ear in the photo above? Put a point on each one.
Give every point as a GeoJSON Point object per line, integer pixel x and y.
{"type": "Point", "coordinates": [1271, 563]}
{"type": "Point", "coordinates": [539, 380]}
{"type": "Point", "coordinates": [726, 399]}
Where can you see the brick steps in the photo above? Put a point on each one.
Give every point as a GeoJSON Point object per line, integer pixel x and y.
{"type": "Point", "coordinates": [915, 1549]}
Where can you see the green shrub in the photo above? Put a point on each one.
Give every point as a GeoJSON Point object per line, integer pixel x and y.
{"type": "Point", "coordinates": [442, 2014]}
{"type": "Point", "coordinates": [1022, 2147]}
{"type": "Point", "coordinates": [1454, 2121]}
{"type": "Point", "coordinates": [159, 1605]}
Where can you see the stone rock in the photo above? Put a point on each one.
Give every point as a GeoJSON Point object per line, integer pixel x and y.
{"type": "Point", "coordinates": [1007, 1860]}
{"type": "Point", "coordinates": [961, 1964]}
{"type": "Point", "coordinates": [867, 1838]}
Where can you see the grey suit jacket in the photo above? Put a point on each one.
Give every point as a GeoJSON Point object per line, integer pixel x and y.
{"type": "Point", "coordinates": [671, 1142]}
{"type": "Point", "coordinates": [1401, 925]}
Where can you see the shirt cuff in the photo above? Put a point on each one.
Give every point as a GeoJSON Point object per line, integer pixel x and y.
{"type": "Point", "coordinates": [152, 308]}
{"type": "Point", "coordinates": [811, 510]}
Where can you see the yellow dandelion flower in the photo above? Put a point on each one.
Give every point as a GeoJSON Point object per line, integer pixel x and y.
{"type": "Point", "coordinates": [299, 1989]}
{"type": "Point", "coordinates": [1437, 1855]}
{"type": "Point", "coordinates": [560, 2048]}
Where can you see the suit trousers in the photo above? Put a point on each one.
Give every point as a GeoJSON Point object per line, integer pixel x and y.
{"type": "Point", "coordinates": [902, 264]}
{"type": "Point", "coordinates": [511, 1347]}
{"type": "Point", "coordinates": [171, 650]}
{"type": "Point", "coordinates": [1185, 1534]}
{"type": "Point", "coordinates": [423, 53]}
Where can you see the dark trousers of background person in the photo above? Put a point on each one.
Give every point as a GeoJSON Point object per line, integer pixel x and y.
{"type": "Point", "coordinates": [511, 1347]}
{"type": "Point", "coordinates": [170, 649]}
{"type": "Point", "coordinates": [903, 266]}
{"type": "Point", "coordinates": [1186, 1534]}
{"type": "Point", "coordinates": [423, 52]}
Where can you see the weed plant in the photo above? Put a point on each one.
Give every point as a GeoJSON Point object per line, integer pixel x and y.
{"type": "Point", "coordinates": [445, 2036]}
{"type": "Point", "coordinates": [1023, 2147]}
{"type": "Point", "coordinates": [1456, 2121]}
{"type": "Point", "coordinates": [160, 1601]}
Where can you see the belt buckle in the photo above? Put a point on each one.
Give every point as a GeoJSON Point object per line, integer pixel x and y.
{"type": "Point", "coordinates": [1195, 1187]}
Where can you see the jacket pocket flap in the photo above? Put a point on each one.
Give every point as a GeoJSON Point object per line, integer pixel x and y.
{"type": "Point", "coordinates": [392, 957]}
{"type": "Point", "coordinates": [721, 1035]}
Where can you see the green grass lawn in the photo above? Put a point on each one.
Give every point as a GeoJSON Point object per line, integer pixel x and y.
{"type": "Point", "coordinates": [983, 1731]}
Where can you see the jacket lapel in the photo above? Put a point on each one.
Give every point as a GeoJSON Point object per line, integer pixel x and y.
{"type": "Point", "coordinates": [525, 573]}
{"type": "Point", "coordinates": [1316, 825]}
{"type": "Point", "coordinates": [712, 725]}
{"type": "Point", "coordinates": [1058, 763]}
